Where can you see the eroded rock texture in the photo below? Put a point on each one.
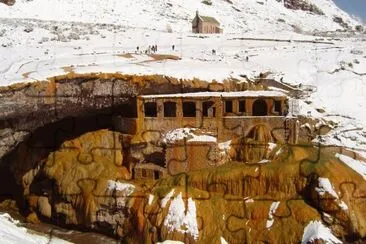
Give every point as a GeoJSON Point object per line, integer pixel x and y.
{"type": "Point", "coordinates": [8, 2]}
{"type": "Point", "coordinates": [66, 164]}
{"type": "Point", "coordinates": [301, 5]}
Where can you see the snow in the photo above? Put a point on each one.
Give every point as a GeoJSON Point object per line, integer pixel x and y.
{"type": "Point", "coordinates": [224, 146]}
{"type": "Point", "coordinates": [316, 230]}
{"type": "Point", "coordinates": [271, 146]}
{"type": "Point", "coordinates": [203, 138]}
{"type": "Point", "coordinates": [151, 199]}
{"type": "Point", "coordinates": [182, 133]}
{"type": "Point", "coordinates": [165, 200]}
{"type": "Point", "coordinates": [11, 233]}
{"type": "Point", "coordinates": [325, 186]}
{"type": "Point", "coordinates": [220, 94]}
{"type": "Point", "coordinates": [264, 161]}
{"type": "Point", "coordinates": [158, 14]}
{"type": "Point", "coordinates": [126, 188]}
{"type": "Point", "coordinates": [181, 219]}
{"type": "Point", "coordinates": [272, 210]}
{"type": "Point", "coordinates": [356, 165]}
{"type": "Point", "coordinates": [170, 242]}
{"type": "Point", "coordinates": [343, 205]}
{"type": "Point", "coordinates": [222, 240]}
{"type": "Point", "coordinates": [248, 200]}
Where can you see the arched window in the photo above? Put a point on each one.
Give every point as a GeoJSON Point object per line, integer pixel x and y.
{"type": "Point", "coordinates": [189, 109]}
{"type": "Point", "coordinates": [170, 109]}
{"type": "Point", "coordinates": [259, 108]}
{"type": "Point", "coordinates": [151, 109]}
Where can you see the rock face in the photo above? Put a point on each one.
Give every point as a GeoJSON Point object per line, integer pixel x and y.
{"type": "Point", "coordinates": [273, 201]}
{"type": "Point", "coordinates": [8, 2]}
{"type": "Point", "coordinates": [301, 5]}
{"type": "Point", "coordinates": [86, 183]}
{"type": "Point", "coordinates": [80, 183]}
{"type": "Point", "coordinates": [76, 172]}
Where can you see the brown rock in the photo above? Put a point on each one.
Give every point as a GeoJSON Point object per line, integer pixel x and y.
{"type": "Point", "coordinates": [44, 207]}
{"type": "Point", "coordinates": [33, 218]}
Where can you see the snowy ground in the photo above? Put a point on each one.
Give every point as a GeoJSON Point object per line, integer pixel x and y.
{"type": "Point", "coordinates": [11, 232]}
{"type": "Point", "coordinates": [335, 72]}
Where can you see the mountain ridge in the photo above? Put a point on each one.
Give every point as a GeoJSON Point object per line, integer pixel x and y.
{"type": "Point", "coordinates": [235, 16]}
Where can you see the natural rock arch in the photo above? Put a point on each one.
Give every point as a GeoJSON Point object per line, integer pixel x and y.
{"type": "Point", "coordinates": [260, 108]}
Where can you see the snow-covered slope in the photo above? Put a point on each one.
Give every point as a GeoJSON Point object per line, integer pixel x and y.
{"type": "Point", "coordinates": [34, 49]}
{"type": "Point", "coordinates": [11, 233]}
{"type": "Point", "coordinates": [238, 16]}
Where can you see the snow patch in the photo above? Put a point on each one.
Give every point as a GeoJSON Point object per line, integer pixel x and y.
{"type": "Point", "coordinates": [11, 233]}
{"type": "Point", "coordinates": [165, 200]}
{"type": "Point", "coordinates": [181, 133]}
{"type": "Point", "coordinates": [264, 161]}
{"type": "Point", "coordinates": [223, 241]}
{"type": "Point", "coordinates": [325, 186]}
{"type": "Point", "coordinates": [316, 230]}
{"type": "Point", "coordinates": [203, 138]}
{"type": "Point", "coordinates": [224, 146]}
{"type": "Point", "coordinates": [170, 242]}
{"type": "Point", "coordinates": [182, 220]}
{"type": "Point", "coordinates": [126, 188]}
{"type": "Point", "coordinates": [260, 93]}
{"type": "Point", "coordinates": [343, 205]}
{"type": "Point", "coordinates": [272, 210]}
{"type": "Point", "coordinates": [151, 199]}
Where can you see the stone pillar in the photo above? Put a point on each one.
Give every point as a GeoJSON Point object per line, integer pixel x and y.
{"type": "Point", "coordinates": [219, 117]}
{"type": "Point", "coordinates": [249, 106]}
{"type": "Point", "coordinates": [199, 114]}
{"type": "Point", "coordinates": [270, 104]}
{"type": "Point", "coordinates": [140, 115]}
{"type": "Point", "coordinates": [236, 106]}
{"type": "Point", "coordinates": [160, 108]}
{"type": "Point", "coordinates": [179, 117]}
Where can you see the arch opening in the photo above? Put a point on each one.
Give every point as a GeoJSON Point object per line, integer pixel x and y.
{"type": "Point", "coordinates": [260, 108]}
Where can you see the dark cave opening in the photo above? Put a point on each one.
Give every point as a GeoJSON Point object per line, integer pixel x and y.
{"type": "Point", "coordinates": [48, 138]}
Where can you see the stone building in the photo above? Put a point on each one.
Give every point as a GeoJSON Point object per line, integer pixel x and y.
{"type": "Point", "coordinates": [205, 24]}
{"type": "Point", "coordinates": [244, 116]}
{"type": "Point", "coordinates": [226, 114]}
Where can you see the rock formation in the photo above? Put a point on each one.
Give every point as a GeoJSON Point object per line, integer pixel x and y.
{"type": "Point", "coordinates": [66, 163]}
{"type": "Point", "coordinates": [301, 5]}
{"type": "Point", "coordinates": [8, 2]}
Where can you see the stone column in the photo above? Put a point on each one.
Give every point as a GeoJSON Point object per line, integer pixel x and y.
{"type": "Point", "coordinates": [219, 117]}
{"type": "Point", "coordinates": [199, 114]}
{"type": "Point", "coordinates": [179, 117]}
{"type": "Point", "coordinates": [160, 108]}
{"type": "Point", "coordinates": [249, 106]}
{"type": "Point", "coordinates": [140, 115]}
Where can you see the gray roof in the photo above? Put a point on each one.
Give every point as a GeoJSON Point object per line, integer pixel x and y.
{"type": "Point", "coordinates": [235, 94]}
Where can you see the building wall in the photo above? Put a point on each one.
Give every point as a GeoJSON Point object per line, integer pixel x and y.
{"type": "Point", "coordinates": [224, 125]}
{"type": "Point", "coordinates": [199, 26]}
{"type": "Point", "coordinates": [208, 28]}
{"type": "Point", "coordinates": [191, 156]}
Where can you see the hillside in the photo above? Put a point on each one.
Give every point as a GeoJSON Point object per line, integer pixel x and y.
{"type": "Point", "coordinates": [236, 16]}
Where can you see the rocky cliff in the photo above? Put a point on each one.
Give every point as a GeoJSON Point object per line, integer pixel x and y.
{"type": "Point", "coordinates": [301, 5]}
{"type": "Point", "coordinates": [8, 2]}
{"type": "Point", "coordinates": [65, 163]}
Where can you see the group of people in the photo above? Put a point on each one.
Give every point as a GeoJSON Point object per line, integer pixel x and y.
{"type": "Point", "coordinates": [151, 49]}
